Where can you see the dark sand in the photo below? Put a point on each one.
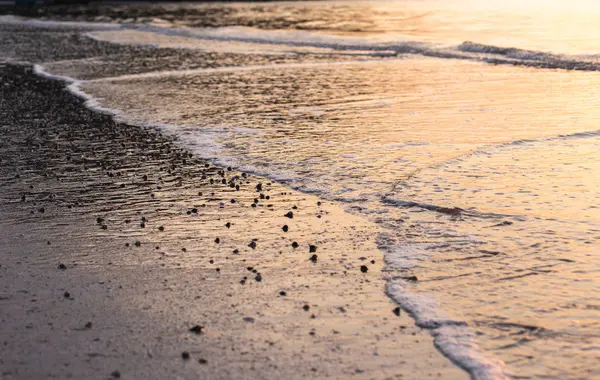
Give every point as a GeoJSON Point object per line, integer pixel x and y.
{"type": "Point", "coordinates": [75, 189]}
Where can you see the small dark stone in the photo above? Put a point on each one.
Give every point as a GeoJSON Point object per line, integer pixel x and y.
{"type": "Point", "coordinates": [294, 245]}
{"type": "Point", "coordinates": [313, 258]}
{"type": "Point", "coordinates": [364, 268]}
{"type": "Point", "coordinates": [67, 295]}
{"type": "Point", "coordinates": [258, 278]}
{"type": "Point", "coordinates": [252, 244]}
{"type": "Point", "coordinates": [259, 187]}
{"type": "Point", "coordinates": [295, 207]}
{"type": "Point", "coordinates": [285, 228]}
{"type": "Point", "coordinates": [161, 228]}
{"type": "Point", "coordinates": [211, 261]}
{"type": "Point", "coordinates": [126, 244]}
{"type": "Point", "coordinates": [397, 311]}
{"type": "Point", "coordinates": [228, 225]}
{"type": "Point", "coordinates": [99, 220]}
{"type": "Point", "coordinates": [217, 240]}
{"type": "Point", "coordinates": [289, 214]}
{"type": "Point", "coordinates": [218, 269]}
{"type": "Point", "coordinates": [411, 278]}
{"type": "Point", "coordinates": [104, 227]}
{"type": "Point", "coordinates": [185, 355]}
{"type": "Point", "coordinates": [236, 251]}
{"type": "Point", "coordinates": [197, 329]}
{"type": "Point", "coordinates": [137, 244]}
{"type": "Point", "coordinates": [202, 361]}
{"type": "Point", "coordinates": [282, 293]}
{"type": "Point", "coordinates": [116, 374]}
{"type": "Point", "coordinates": [306, 307]}
{"type": "Point", "coordinates": [62, 266]}
{"type": "Point", "coordinates": [318, 203]}
{"type": "Point", "coordinates": [195, 210]}
{"type": "Point", "coordinates": [312, 248]}
{"type": "Point", "coordinates": [88, 325]}
{"type": "Point", "coordinates": [143, 225]}
{"type": "Point", "coordinates": [372, 261]}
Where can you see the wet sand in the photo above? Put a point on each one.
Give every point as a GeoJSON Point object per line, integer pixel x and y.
{"type": "Point", "coordinates": [114, 243]}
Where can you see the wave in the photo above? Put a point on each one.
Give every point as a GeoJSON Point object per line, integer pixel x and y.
{"type": "Point", "coordinates": [339, 45]}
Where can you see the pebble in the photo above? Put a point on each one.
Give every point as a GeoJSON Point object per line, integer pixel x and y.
{"type": "Point", "coordinates": [289, 214]}
{"type": "Point", "coordinates": [197, 329]}
{"type": "Point", "coordinates": [202, 361]}
{"type": "Point", "coordinates": [397, 311]}
{"type": "Point", "coordinates": [217, 240]}
{"type": "Point", "coordinates": [116, 374]}
{"type": "Point", "coordinates": [364, 268]}
{"type": "Point", "coordinates": [312, 248]}
{"type": "Point", "coordinates": [313, 258]}
{"type": "Point", "coordinates": [294, 245]}
{"type": "Point", "coordinates": [161, 228]}
{"type": "Point", "coordinates": [306, 307]}
{"type": "Point", "coordinates": [285, 228]}
{"type": "Point", "coordinates": [252, 244]}
{"type": "Point", "coordinates": [185, 355]}
{"type": "Point", "coordinates": [67, 295]}
{"type": "Point", "coordinates": [258, 278]}
{"type": "Point", "coordinates": [282, 293]}
{"type": "Point", "coordinates": [62, 266]}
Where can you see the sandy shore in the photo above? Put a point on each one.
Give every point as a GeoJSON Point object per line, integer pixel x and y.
{"type": "Point", "coordinates": [114, 243]}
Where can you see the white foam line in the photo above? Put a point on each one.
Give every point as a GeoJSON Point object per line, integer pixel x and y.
{"type": "Point", "coordinates": [183, 73]}
{"type": "Point", "coordinates": [14, 20]}
{"type": "Point", "coordinates": [455, 339]}
{"type": "Point", "coordinates": [74, 87]}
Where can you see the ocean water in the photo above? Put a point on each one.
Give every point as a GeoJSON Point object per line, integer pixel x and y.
{"type": "Point", "coordinates": [468, 130]}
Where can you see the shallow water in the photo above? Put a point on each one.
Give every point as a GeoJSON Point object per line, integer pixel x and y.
{"type": "Point", "coordinates": [484, 176]}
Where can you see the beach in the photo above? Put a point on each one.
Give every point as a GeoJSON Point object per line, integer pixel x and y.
{"type": "Point", "coordinates": [76, 189]}
{"type": "Point", "coordinates": [331, 189]}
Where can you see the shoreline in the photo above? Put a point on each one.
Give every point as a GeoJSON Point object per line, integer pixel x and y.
{"type": "Point", "coordinates": [141, 300]}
